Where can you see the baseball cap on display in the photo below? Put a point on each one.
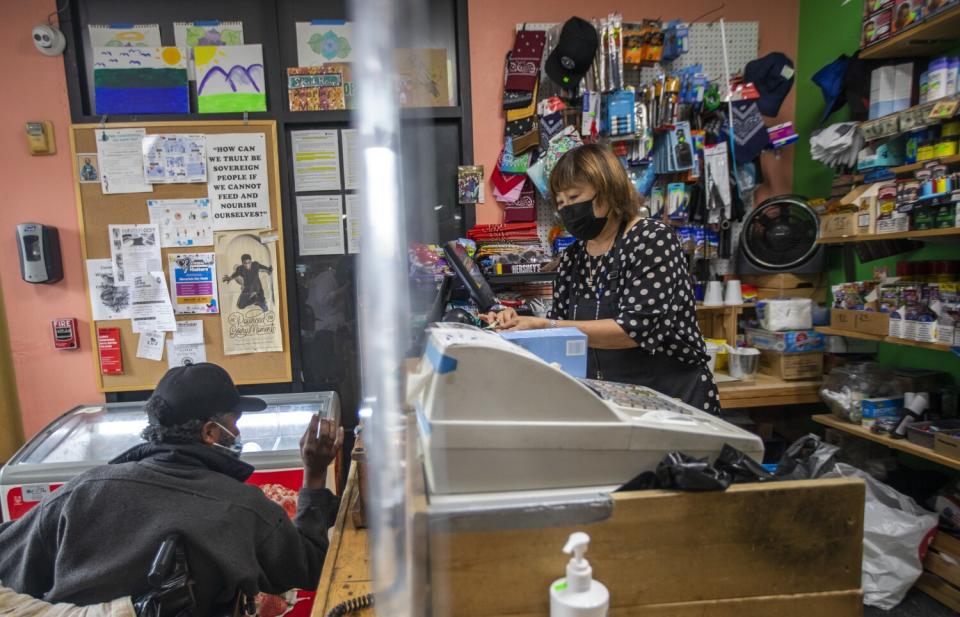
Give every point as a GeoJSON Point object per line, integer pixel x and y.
{"type": "Point", "coordinates": [772, 75]}
{"type": "Point", "coordinates": [198, 392]}
{"type": "Point", "coordinates": [572, 57]}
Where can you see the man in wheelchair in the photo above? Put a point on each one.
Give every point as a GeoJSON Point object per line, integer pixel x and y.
{"type": "Point", "coordinates": [96, 538]}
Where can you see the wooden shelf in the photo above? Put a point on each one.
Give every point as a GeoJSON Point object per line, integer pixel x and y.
{"type": "Point", "coordinates": [721, 307]}
{"type": "Point", "coordinates": [528, 277]}
{"type": "Point", "coordinates": [928, 38]}
{"type": "Point", "coordinates": [882, 339]}
{"type": "Point", "coordinates": [897, 444]}
{"type": "Point", "coordinates": [946, 160]}
{"type": "Point", "coordinates": [768, 391]}
{"type": "Point", "coordinates": [925, 234]}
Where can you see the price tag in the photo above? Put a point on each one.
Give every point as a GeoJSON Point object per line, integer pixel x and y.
{"type": "Point", "coordinates": [33, 493]}
{"type": "Point", "coordinates": [944, 109]}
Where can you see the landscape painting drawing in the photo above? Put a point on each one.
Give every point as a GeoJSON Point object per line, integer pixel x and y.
{"type": "Point", "coordinates": [230, 78]}
{"type": "Point", "coordinates": [140, 80]}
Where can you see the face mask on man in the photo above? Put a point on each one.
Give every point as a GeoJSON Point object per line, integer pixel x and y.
{"type": "Point", "coordinates": [235, 447]}
{"type": "Point", "coordinates": [581, 222]}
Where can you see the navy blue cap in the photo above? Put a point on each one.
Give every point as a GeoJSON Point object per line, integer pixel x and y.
{"type": "Point", "coordinates": [772, 75]}
{"type": "Point", "coordinates": [831, 81]}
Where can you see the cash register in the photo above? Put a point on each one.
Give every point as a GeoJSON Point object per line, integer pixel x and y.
{"type": "Point", "coordinates": [493, 417]}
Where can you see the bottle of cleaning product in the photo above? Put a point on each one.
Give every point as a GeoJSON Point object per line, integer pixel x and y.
{"type": "Point", "coordinates": [578, 595]}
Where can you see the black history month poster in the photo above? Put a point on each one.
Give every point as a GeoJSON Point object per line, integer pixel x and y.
{"type": "Point", "coordinates": [249, 294]}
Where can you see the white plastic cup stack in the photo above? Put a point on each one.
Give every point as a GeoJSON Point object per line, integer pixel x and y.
{"type": "Point", "coordinates": [733, 295]}
{"type": "Point", "coordinates": [714, 294]}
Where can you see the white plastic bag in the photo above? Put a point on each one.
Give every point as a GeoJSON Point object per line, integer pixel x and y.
{"type": "Point", "coordinates": [895, 531]}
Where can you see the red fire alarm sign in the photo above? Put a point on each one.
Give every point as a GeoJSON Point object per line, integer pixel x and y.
{"type": "Point", "coordinates": [65, 333]}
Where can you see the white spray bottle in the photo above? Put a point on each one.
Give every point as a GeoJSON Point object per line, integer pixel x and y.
{"type": "Point", "coordinates": [578, 595]}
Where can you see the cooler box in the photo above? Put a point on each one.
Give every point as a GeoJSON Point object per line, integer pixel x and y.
{"type": "Point", "coordinates": [91, 435]}
{"type": "Point", "coordinates": [565, 347]}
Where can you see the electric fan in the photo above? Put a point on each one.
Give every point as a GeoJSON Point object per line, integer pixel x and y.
{"type": "Point", "coordinates": [780, 235]}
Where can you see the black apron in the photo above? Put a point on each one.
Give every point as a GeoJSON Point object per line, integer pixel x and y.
{"type": "Point", "coordinates": [663, 373]}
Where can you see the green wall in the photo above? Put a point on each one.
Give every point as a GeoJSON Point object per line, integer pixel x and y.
{"type": "Point", "coordinates": [827, 30]}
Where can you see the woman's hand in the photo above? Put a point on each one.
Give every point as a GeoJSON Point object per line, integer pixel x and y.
{"type": "Point", "coordinates": [508, 320]}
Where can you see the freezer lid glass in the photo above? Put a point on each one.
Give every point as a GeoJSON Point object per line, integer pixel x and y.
{"type": "Point", "coordinates": [98, 433]}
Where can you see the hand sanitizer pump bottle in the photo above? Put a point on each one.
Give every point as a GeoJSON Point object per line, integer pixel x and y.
{"type": "Point", "coordinates": [578, 595]}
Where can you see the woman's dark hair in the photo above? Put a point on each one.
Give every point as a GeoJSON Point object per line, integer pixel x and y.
{"type": "Point", "coordinates": [599, 168]}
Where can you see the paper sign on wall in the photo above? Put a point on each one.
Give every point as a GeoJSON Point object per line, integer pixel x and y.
{"type": "Point", "coordinates": [354, 221]}
{"type": "Point", "coordinates": [124, 35]}
{"type": "Point", "coordinates": [182, 222]}
{"type": "Point", "coordinates": [316, 161]}
{"type": "Point", "coordinates": [150, 309]}
{"type": "Point", "coordinates": [119, 152]}
{"type": "Point", "coordinates": [237, 181]}
{"type": "Point", "coordinates": [134, 249]}
{"type": "Point", "coordinates": [150, 346]}
{"type": "Point", "coordinates": [320, 224]}
{"type": "Point", "coordinates": [249, 294]}
{"type": "Point", "coordinates": [193, 281]}
{"type": "Point", "coordinates": [107, 299]}
{"type": "Point", "coordinates": [174, 158]}
{"type": "Point", "coordinates": [351, 159]}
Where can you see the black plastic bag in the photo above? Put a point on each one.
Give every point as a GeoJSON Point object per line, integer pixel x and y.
{"type": "Point", "coordinates": [677, 471]}
{"type": "Point", "coordinates": [740, 467]}
{"type": "Point", "coordinates": [807, 458]}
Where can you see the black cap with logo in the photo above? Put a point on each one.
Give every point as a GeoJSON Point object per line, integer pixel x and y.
{"type": "Point", "coordinates": [572, 57]}
{"type": "Point", "coordinates": [197, 392]}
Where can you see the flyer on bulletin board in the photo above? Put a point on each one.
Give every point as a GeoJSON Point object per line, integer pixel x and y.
{"type": "Point", "coordinates": [237, 181]}
{"type": "Point", "coordinates": [316, 161]}
{"type": "Point", "coordinates": [249, 293]}
{"type": "Point", "coordinates": [182, 222]}
{"type": "Point", "coordinates": [193, 283]}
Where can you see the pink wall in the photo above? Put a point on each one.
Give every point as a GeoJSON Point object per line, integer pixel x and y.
{"type": "Point", "coordinates": [40, 189]}
{"type": "Point", "coordinates": [492, 25]}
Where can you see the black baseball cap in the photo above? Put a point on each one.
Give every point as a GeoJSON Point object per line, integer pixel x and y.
{"type": "Point", "coordinates": [197, 392]}
{"type": "Point", "coordinates": [572, 57]}
{"type": "Point", "coordinates": [773, 77]}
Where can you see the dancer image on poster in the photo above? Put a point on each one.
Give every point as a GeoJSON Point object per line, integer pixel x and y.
{"type": "Point", "coordinates": [247, 274]}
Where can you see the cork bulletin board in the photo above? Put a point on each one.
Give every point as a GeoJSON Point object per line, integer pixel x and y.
{"type": "Point", "coordinates": [97, 210]}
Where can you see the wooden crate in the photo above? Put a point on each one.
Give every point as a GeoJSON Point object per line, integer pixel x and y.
{"type": "Point", "coordinates": [787, 549]}
{"type": "Point", "coordinates": [941, 576]}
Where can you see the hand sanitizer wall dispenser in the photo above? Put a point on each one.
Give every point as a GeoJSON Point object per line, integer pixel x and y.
{"type": "Point", "coordinates": [578, 595]}
{"type": "Point", "coordinates": [38, 247]}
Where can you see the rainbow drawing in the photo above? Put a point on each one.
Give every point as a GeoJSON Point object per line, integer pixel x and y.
{"type": "Point", "coordinates": [230, 78]}
{"type": "Point", "coordinates": [140, 80]}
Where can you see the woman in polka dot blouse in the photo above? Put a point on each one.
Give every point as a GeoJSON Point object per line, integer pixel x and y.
{"type": "Point", "coordinates": [624, 283]}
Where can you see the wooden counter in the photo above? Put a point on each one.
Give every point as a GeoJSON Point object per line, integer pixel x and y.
{"type": "Point", "coordinates": [766, 390]}
{"type": "Point", "coordinates": [346, 570]}
{"type": "Point", "coordinates": [787, 548]}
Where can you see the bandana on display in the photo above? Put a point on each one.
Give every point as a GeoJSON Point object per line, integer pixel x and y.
{"type": "Point", "coordinates": [524, 112]}
{"type": "Point", "coordinates": [523, 67]}
{"type": "Point", "coordinates": [506, 187]}
{"type": "Point", "coordinates": [524, 209]}
{"type": "Point", "coordinates": [511, 163]}
{"type": "Point", "coordinates": [750, 135]}
{"type": "Point", "coordinates": [550, 126]}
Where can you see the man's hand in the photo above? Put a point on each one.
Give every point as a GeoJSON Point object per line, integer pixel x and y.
{"type": "Point", "coordinates": [226, 278]}
{"type": "Point", "coordinates": [318, 448]}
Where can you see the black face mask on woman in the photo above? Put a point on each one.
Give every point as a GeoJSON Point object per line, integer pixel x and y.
{"type": "Point", "coordinates": [581, 222]}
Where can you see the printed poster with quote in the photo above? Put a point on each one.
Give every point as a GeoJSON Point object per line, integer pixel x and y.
{"type": "Point", "coordinates": [249, 293]}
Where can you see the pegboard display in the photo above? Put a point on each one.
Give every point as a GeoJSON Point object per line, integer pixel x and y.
{"type": "Point", "coordinates": [705, 48]}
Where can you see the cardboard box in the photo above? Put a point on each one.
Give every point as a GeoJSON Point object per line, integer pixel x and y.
{"type": "Point", "coordinates": [808, 365]}
{"type": "Point", "coordinates": [566, 347]}
{"type": "Point", "coordinates": [876, 27]}
{"type": "Point", "coordinates": [867, 322]}
{"type": "Point", "coordinates": [790, 341]}
{"type": "Point", "coordinates": [842, 225]}
{"type": "Point", "coordinates": [817, 294]}
{"type": "Point", "coordinates": [947, 443]}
